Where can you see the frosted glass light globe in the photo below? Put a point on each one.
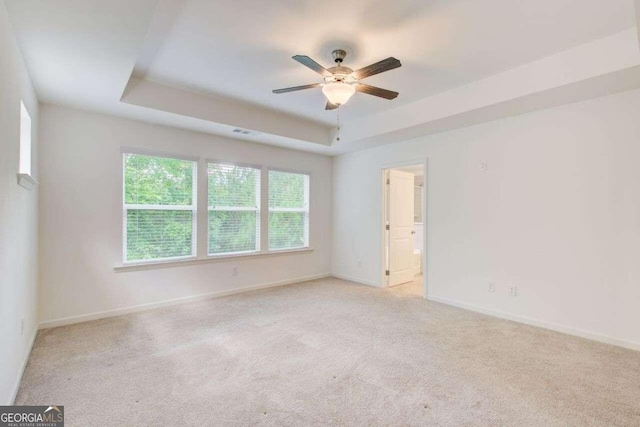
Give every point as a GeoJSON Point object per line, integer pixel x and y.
{"type": "Point", "coordinates": [338, 93]}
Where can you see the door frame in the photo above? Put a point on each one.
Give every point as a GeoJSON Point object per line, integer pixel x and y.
{"type": "Point", "coordinates": [384, 209]}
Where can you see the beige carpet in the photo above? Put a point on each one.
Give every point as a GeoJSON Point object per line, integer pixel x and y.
{"type": "Point", "coordinates": [328, 352]}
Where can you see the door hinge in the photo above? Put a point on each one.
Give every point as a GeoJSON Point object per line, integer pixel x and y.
{"type": "Point", "coordinates": [388, 181]}
{"type": "Point", "coordinates": [387, 226]}
{"type": "Point", "coordinates": [386, 273]}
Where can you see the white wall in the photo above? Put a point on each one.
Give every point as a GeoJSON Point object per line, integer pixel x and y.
{"type": "Point", "coordinates": [557, 213]}
{"type": "Point", "coordinates": [18, 218]}
{"type": "Point", "coordinates": [81, 216]}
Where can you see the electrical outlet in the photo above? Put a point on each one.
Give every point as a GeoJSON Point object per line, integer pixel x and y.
{"type": "Point", "coordinates": [513, 290]}
{"type": "Point", "coordinates": [483, 166]}
{"type": "Point", "coordinates": [22, 326]}
{"type": "Point", "coordinates": [235, 271]}
{"type": "Point", "coordinates": [491, 287]}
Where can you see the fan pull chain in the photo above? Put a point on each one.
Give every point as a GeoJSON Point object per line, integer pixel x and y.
{"type": "Point", "coordinates": [338, 136]}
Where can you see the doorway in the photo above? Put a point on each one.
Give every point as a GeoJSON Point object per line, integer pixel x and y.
{"type": "Point", "coordinates": [404, 234]}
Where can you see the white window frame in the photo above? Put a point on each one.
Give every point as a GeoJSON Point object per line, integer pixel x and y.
{"type": "Point", "coordinates": [193, 208]}
{"type": "Point", "coordinates": [257, 209]}
{"type": "Point", "coordinates": [306, 210]}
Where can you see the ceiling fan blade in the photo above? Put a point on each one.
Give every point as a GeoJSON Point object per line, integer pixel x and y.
{"type": "Point", "coordinates": [377, 68]}
{"type": "Point", "coordinates": [295, 88]}
{"type": "Point", "coordinates": [330, 106]}
{"type": "Point", "coordinates": [376, 91]}
{"type": "Point", "coordinates": [308, 62]}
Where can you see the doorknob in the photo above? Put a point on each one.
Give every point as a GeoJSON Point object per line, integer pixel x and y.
{"type": "Point", "coordinates": [413, 231]}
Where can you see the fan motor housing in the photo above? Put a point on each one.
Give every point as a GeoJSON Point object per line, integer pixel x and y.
{"type": "Point", "coordinates": [338, 55]}
{"type": "Point", "coordinates": [340, 74]}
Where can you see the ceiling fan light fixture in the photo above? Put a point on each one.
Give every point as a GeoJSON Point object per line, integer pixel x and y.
{"type": "Point", "coordinates": [338, 93]}
{"type": "Point", "coordinates": [340, 82]}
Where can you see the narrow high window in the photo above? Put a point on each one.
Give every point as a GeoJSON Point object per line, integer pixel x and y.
{"type": "Point", "coordinates": [25, 141]}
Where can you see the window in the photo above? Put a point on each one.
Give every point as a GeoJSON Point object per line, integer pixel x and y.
{"type": "Point", "coordinates": [234, 209]}
{"type": "Point", "coordinates": [159, 208]}
{"type": "Point", "coordinates": [25, 141]}
{"type": "Point", "coordinates": [161, 213]}
{"type": "Point", "coordinates": [288, 210]}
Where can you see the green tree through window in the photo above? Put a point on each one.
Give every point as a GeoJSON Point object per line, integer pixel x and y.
{"type": "Point", "coordinates": [288, 210]}
{"type": "Point", "coordinates": [159, 200]}
{"type": "Point", "coordinates": [234, 209]}
{"type": "Point", "coordinates": [160, 208]}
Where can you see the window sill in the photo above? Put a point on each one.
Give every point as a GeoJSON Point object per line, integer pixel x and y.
{"type": "Point", "coordinates": [209, 259]}
{"type": "Point", "coordinates": [27, 181]}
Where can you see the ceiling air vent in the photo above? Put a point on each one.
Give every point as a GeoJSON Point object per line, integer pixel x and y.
{"type": "Point", "coordinates": [246, 132]}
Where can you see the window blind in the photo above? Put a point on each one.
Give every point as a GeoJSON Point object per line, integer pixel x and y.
{"type": "Point", "coordinates": [159, 207]}
{"type": "Point", "coordinates": [234, 209]}
{"type": "Point", "coordinates": [288, 210]}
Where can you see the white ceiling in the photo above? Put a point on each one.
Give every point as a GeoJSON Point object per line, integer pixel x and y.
{"type": "Point", "coordinates": [82, 53]}
{"type": "Point", "coordinates": [242, 49]}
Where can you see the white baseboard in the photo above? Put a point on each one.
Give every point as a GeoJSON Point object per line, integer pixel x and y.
{"type": "Point", "coordinates": [143, 307]}
{"type": "Point", "coordinates": [355, 280]}
{"type": "Point", "coordinates": [539, 323]}
{"type": "Point", "coordinates": [25, 360]}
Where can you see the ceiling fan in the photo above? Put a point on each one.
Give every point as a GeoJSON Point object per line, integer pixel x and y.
{"type": "Point", "coordinates": [340, 83]}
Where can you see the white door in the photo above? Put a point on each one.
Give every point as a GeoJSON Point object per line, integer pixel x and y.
{"type": "Point", "coordinates": [400, 219]}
